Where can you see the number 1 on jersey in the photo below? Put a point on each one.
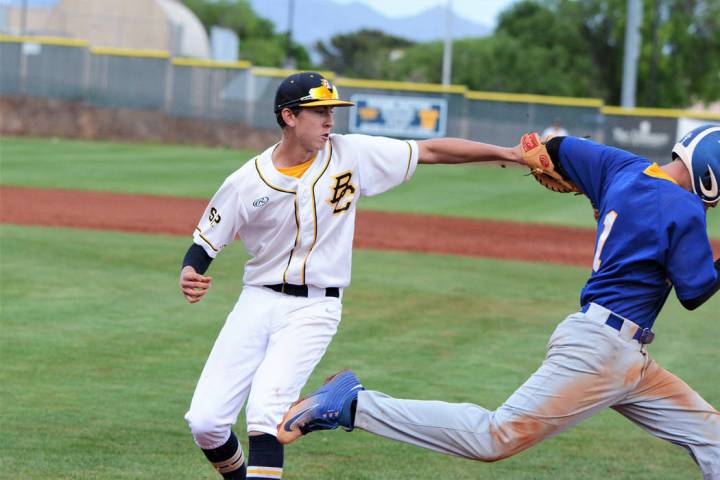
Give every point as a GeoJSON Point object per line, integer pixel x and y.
{"type": "Point", "coordinates": [608, 223]}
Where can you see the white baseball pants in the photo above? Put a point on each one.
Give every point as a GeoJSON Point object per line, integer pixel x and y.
{"type": "Point", "coordinates": [589, 366]}
{"type": "Point", "coordinates": [265, 352]}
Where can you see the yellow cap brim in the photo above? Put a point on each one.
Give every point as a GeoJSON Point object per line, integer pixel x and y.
{"type": "Point", "coordinates": [327, 103]}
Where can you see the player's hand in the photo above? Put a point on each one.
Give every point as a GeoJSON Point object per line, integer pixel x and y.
{"type": "Point", "coordinates": [516, 155]}
{"type": "Point", "coordinates": [193, 285]}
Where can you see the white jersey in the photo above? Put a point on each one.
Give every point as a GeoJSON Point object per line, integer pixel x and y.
{"type": "Point", "coordinates": [300, 230]}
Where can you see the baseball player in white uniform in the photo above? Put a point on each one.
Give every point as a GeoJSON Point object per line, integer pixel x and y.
{"type": "Point", "coordinates": [293, 207]}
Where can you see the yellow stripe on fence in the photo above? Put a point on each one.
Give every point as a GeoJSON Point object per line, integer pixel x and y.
{"type": "Point", "coordinates": [129, 52]}
{"type": "Point", "coordinates": [659, 112]}
{"type": "Point", "coordinates": [195, 62]}
{"type": "Point", "coordinates": [530, 98]}
{"type": "Point", "coordinates": [283, 72]}
{"type": "Point", "coordinates": [406, 86]}
{"type": "Point", "coordinates": [59, 41]}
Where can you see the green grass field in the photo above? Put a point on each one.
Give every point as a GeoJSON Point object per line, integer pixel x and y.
{"type": "Point", "coordinates": [99, 353]}
{"type": "Point", "coordinates": [466, 191]}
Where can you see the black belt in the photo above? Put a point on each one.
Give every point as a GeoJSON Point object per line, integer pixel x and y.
{"type": "Point", "coordinates": [642, 335]}
{"type": "Point", "coordinates": [301, 290]}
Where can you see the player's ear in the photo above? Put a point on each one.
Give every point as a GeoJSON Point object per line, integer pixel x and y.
{"type": "Point", "coordinates": [289, 117]}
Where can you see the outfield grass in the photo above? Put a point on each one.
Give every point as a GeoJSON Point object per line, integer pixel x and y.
{"type": "Point", "coordinates": [460, 190]}
{"type": "Point", "coordinates": [100, 355]}
{"type": "Point", "coordinates": [179, 170]}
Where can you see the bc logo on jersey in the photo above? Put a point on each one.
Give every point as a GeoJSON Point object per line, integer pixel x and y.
{"type": "Point", "coordinates": [343, 192]}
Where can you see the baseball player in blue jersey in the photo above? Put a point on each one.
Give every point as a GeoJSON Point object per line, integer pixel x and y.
{"type": "Point", "coordinates": [651, 238]}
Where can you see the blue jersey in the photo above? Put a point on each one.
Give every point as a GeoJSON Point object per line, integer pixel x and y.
{"type": "Point", "coordinates": [651, 232]}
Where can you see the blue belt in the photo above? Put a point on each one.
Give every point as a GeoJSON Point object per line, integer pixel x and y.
{"type": "Point", "coordinates": [642, 335]}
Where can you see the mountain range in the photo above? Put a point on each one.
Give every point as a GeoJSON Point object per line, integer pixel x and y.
{"type": "Point", "coordinates": [321, 19]}
{"type": "Point", "coordinates": [315, 20]}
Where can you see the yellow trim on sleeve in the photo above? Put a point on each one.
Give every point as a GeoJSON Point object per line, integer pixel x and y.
{"type": "Point", "coordinates": [206, 240]}
{"type": "Point", "coordinates": [528, 98]}
{"type": "Point", "coordinates": [407, 170]}
{"type": "Point", "coordinates": [196, 62]}
{"type": "Point", "coordinates": [59, 41]}
{"type": "Point", "coordinates": [129, 52]}
{"type": "Point", "coordinates": [659, 112]}
{"type": "Point", "coordinates": [654, 170]}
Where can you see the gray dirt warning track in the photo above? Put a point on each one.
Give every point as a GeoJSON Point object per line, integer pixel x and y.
{"type": "Point", "coordinates": [152, 214]}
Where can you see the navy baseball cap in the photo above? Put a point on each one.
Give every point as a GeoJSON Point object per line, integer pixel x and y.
{"type": "Point", "coordinates": [307, 89]}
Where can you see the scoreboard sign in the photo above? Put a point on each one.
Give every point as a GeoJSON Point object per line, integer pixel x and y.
{"type": "Point", "coordinates": [396, 116]}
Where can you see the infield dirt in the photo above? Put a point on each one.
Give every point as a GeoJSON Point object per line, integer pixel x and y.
{"type": "Point", "coordinates": [166, 215]}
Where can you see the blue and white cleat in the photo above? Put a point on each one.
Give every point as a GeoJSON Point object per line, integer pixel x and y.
{"type": "Point", "coordinates": [327, 408]}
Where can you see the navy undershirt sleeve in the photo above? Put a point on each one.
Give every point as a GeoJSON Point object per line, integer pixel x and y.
{"type": "Point", "coordinates": [553, 148]}
{"type": "Point", "coordinates": [197, 258]}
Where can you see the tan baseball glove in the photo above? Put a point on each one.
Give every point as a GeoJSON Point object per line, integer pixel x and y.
{"type": "Point", "coordinates": [541, 165]}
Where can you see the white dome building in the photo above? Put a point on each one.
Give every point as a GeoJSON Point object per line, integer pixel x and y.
{"type": "Point", "coordinates": [135, 24]}
{"type": "Point", "coordinates": [192, 39]}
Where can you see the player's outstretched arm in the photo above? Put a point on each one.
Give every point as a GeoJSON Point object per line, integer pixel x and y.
{"type": "Point", "coordinates": [457, 150]}
{"type": "Point", "coordinates": [193, 285]}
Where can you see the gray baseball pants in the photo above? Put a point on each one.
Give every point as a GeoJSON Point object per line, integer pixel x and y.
{"type": "Point", "coordinates": [589, 366]}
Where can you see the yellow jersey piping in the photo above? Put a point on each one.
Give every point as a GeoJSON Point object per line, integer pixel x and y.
{"type": "Point", "coordinates": [327, 164]}
{"type": "Point", "coordinates": [297, 238]}
{"type": "Point", "coordinates": [297, 220]}
{"type": "Point", "coordinates": [257, 167]}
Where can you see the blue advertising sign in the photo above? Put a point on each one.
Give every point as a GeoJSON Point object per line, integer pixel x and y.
{"type": "Point", "coordinates": [395, 116]}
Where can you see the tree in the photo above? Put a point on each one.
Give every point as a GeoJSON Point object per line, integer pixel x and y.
{"type": "Point", "coordinates": [519, 57]}
{"type": "Point", "coordinates": [419, 63]}
{"type": "Point", "coordinates": [576, 47]}
{"type": "Point", "coordinates": [498, 63]}
{"type": "Point", "coordinates": [682, 66]}
{"type": "Point", "coordinates": [362, 54]}
{"type": "Point", "coordinates": [680, 53]}
{"type": "Point", "coordinates": [564, 45]}
{"type": "Point", "coordinates": [258, 41]}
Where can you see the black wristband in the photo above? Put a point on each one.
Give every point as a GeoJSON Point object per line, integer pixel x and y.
{"type": "Point", "coordinates": [197, 258]}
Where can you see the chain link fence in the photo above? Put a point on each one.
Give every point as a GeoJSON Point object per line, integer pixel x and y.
{"type": "Point", "coordinates": [238, 92]}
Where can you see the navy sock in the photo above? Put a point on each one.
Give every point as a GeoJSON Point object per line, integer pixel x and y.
{"type": "Point", "coordinates": [265, 457]}
{"type": "Point", "coordinates": [347, 414]}
{"type": "Point", "coordinates": [228, 459]}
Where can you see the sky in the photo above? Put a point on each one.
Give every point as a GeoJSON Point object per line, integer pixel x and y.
{"type": "Point", "coordinates": [479, 11]}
